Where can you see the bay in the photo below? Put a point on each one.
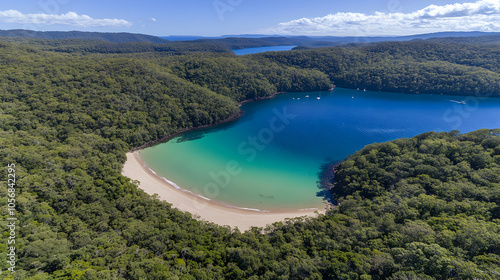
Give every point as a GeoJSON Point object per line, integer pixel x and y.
{"type": "Point", "coordinates": [272, 157]}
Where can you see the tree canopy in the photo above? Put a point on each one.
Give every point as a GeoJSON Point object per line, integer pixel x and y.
{"type": "Point", "coordinates": [426, 207]}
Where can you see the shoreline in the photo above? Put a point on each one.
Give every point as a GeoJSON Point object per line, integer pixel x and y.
{"type": "Point", "coordinates": [170, 136]}
{"type": "Point", "coordinates": [231, 118]}
{"type": "Point", "coordinates": [201, 208]}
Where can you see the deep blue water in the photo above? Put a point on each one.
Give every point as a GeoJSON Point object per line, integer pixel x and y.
{"type": "Point", "coordinates": [262, 49]}
{"type": "Point", "coordinates": [272, 156]}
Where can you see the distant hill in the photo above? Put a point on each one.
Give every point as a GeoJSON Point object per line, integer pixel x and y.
{"type": "Point", "coordinates": [490, 39]}
{"type": "Point", "coordinates": [402, 38]}
{"type": "Point", "coordinates": [242, 41]}
{"type": "Point", "coordinates": [101, 36]}
{"type": "Point", "coordinates": [194, 37]}
{"type": "Point", "coordinates": [248, 41]}
{"type": "Point", "coordinates": [329, 41]}
{"type": "Point", "coordinates": [186, 37]}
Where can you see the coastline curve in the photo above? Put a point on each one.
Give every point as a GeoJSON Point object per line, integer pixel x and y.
{"type": "Point", "coordinates": [203, 208]}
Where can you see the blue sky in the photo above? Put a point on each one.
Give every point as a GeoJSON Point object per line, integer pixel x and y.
{"type": "Point", "coordinates": [222, 17]}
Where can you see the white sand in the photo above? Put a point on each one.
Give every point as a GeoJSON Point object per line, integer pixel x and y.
{"type": "Point", "coordinates": [203, 209]}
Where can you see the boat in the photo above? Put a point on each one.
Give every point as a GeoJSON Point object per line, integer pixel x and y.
{"type": "Point", "coordinates": [307, 96]}
{"type": "Point", "coordinates": [318, 98]}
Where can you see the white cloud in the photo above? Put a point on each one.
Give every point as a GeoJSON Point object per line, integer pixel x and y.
{"type": "Point", "coordinates": [483, 15]}
{"type": "Point", "coordinates": [70, 18]}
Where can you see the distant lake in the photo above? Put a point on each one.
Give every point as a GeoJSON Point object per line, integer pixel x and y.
{"type": "Point", "coordinates": [271, 158]}
{"type": "Point", "coordinates": [262, 49]}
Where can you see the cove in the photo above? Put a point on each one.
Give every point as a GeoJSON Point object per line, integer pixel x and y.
{"type": "Point", "coordinates": [271, 158]}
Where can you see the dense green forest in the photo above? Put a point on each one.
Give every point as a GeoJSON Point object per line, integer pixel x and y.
{"type": "Point", "coordinates": [82, 46]}
{"type": "Point", "coordinates": [427, 207]}
{"type": "Point", "coordinates": [406, 67]}
{"type": "Point", "coordinates": [122, 37]}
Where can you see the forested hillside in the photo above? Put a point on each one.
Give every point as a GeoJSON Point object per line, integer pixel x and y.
{"type": "Point", "coordinates": [65, 35]}
{"type": "Point", "coordinates": [245, 78]}
{"type": "Point", "coordinates": [419, 208]}
{"type": "Point", "coordinates": [80, 46]}
{"type": "Point", "coordinates": [407, 67]}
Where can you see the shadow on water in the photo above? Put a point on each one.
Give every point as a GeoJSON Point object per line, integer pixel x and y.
{"type": "Point", "coordinates": [199, 133]}
{"type": "Point", "coordinates": [193, 135]}
{"type": "Point", "coordinates": [326, 181]}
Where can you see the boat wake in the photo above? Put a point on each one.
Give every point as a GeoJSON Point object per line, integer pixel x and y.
{"type": "Point", "coordinates": [459, 102]}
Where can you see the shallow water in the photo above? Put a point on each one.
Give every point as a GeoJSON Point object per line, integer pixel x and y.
{"type": "Point", "coordinates": [271, 158]}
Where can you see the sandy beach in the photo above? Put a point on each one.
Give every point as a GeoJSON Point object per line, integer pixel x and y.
{"type": "Point", "coordinates": [201, 208]}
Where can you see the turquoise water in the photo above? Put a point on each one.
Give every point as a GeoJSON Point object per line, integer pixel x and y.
{"type": "Point", "coordinates": [271, 158]}
{"type": "Point", "coordinates": [262, 49]}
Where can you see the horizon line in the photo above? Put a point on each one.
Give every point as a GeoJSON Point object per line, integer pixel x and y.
{"type": "Point", "coordinates": [247, 34]}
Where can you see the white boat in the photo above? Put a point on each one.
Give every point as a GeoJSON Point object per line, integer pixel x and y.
{"type": "Point", "coordinates": [318, 98]}
{"type": "Point", "coordinates": [307, 96]}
